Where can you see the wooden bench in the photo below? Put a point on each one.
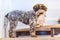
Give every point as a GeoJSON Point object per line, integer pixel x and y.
{"type": "Point", "coordinates": [46, 28]}
{"type": "Point", "coordinates": [53, 29]}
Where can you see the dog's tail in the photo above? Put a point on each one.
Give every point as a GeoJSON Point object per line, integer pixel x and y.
{"type": "Point", "coordinates": [5, 25]}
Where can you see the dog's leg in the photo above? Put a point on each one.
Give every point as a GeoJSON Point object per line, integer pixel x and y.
{"type": "Point", "coordinates": [12, 32]}
{"type": "Point", "coordinates": [32, 30]}
{"type": "Point", "coordinates": [32, 27]}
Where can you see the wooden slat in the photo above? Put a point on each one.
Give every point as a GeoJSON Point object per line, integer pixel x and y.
{"type": "Point", "coordinates": [51, 26]}
{"type": "Point", "coordinates": [55, 26]}
{"type": "Point", "coordinates": [45, 28]}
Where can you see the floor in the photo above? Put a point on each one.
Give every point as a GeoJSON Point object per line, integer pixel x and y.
{"type": "Point", "coordinates": [41, 37]}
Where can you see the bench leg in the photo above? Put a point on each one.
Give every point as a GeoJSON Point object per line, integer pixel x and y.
{"type": "Point", "coordinates": [52, 32]}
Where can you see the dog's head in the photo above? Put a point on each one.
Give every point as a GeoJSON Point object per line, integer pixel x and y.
{"type": "Point", "coordinates": [39, 9]}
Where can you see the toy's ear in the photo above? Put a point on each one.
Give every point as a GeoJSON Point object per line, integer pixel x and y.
{"type": "Point", "coordinates": [59, 20]}
{"type": "Point", "coordinates": [36, 7]}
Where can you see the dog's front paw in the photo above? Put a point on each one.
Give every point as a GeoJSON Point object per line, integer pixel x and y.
{"type": "Point", "coordinates": [33, 34]}
{"type": "Point", "coordinates": [38, 25]}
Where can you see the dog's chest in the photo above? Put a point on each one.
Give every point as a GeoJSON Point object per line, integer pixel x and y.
{"type": "Point", "coordinates": [40, 19]}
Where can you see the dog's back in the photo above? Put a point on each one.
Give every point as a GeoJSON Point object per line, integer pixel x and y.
{"type": "Point", "coordinates": [22, 16]}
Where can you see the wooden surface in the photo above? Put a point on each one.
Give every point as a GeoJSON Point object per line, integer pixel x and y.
{"type": "Point", "coordinates": [49, 38]}
{"type": "Point", "coordinates": [45, 28]}
{"type": "Point", "coordinates": [56, 26]}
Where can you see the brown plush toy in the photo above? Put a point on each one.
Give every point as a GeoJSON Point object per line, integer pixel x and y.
{"type": "Point", "coordinates": [59, 20]}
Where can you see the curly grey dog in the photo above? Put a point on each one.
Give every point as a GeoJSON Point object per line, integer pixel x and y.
{"type": "Point", "coordinates": [32, 18]}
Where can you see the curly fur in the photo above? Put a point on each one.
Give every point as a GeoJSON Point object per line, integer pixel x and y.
{"type": "Point", "coordinates": [36, 7]}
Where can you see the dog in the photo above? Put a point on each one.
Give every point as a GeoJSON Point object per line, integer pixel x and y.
{"type": "Point", "coordinates": [40, 11]}
{"type": "Point", "coordinates": [33, 18]}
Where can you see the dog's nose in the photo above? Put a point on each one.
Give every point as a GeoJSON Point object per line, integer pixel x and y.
{"type": "Point", "coordinates": [41, 13]}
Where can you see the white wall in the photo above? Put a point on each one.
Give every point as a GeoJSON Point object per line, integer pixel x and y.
{"type": "Point", "coordinates": [8, 5]}
{"type": "Point", "coordinates": [5, 6]}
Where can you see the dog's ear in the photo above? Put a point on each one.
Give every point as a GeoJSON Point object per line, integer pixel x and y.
{"type": "Point", "coordinates": [44, 7]}
{"type": "Point", "coordinates": [36, 7]}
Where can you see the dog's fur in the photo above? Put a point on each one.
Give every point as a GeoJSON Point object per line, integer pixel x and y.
{"type": "Point", "coordinates": [33, 18]}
